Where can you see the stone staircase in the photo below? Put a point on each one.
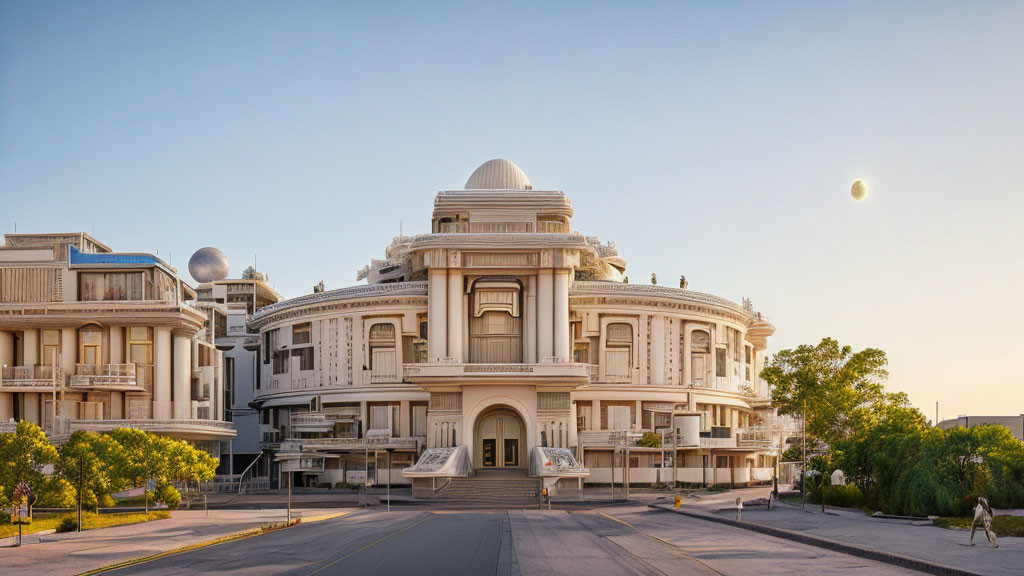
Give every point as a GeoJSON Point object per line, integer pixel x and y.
{"type": "Point", "coordinates": [491, 492]}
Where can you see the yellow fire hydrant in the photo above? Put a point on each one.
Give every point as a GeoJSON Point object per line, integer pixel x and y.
{"type": "Point", "coordinates": [679, 501]}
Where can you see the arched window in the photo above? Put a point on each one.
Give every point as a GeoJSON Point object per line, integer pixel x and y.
{"type": "Point", "coordinates": [700, 350]}
{"type": "Point", "coordinates": [618, 354]}
{"type": "Point", "coordinates": [383, 360]}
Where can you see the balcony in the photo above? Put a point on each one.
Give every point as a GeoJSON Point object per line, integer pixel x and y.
{"type": "Point", "coordinates": [563, 372]}
{"type": "Point", "coordinates": [311, 422]}
{"type": "Point", "coordinates": [29, 378]}
{"type": "Point", "coordinates": [383, 375]}
{"type": "Point", "coordinates": [191, 429]}
{"type": "Point", "coordinates": [105, 377]}
{"type": "Point", "coordinates": [363, 444]}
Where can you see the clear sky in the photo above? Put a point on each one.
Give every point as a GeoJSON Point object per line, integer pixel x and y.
{"type": "Point", "coordinates": [714, 140]}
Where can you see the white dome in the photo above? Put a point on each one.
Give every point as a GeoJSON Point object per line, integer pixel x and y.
{"type": "Point", "coordinates": [498, 174]}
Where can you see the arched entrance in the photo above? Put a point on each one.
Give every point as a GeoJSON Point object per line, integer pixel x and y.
{"type": "Point", "coordinates": [500, 440]}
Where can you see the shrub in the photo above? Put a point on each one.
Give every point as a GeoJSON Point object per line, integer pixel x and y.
{"type": "Point", "coordinates": [59, 494]}
{"type": "Point", "coordinates": [105, 501]}
{"type": "Point", "coordinates": [169, 495]}
{"type": "Point", "coordinates": [649, 440]}
{"type": "Point", "coordinates": [848, 496]}
{"type": "Point", "coordinates": [67, 524]}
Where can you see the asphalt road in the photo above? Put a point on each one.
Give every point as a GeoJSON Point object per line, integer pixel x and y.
{"type": "Point", "coordinates": [609, 541]}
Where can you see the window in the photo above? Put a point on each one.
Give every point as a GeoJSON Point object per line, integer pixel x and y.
{"type": "Point", "coordinates": [50, 340]}
{"type": "Point", "coordinates": [140, 353]}
{"type": "Point", "coordinates": [305, 356]}
{"type": "Point", "coordinates": [618, 360]}
{"type": "Point", "coordinates": [110, 286]}
{"type": "Point", "coordinates": [419, 419]}
{"type": "Point", "coordinates": [270, 341]}
{"type": "Point", "coordinates": [90, 342]}
{"type": "Point", "coordinates": [229, 387]}
{"type": "Point", "coordinates": [205, 356]}
{"type": "Point", "coordinates": [383, 357]}
{"type": "Point", "coordinates": [720, 359]}
{"type": "Point", "coordinates": [302, 333]}
{"type": "Point", "coordinates": [550, 224]}
{"type": "Point", "coordinates": [281, 362]}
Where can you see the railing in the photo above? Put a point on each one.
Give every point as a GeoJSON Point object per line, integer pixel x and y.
{"type": "Point", "coordinates": [382, 375]}
{"type": "Point", "coordinates": [29, 376]}
{"type": "Point", "coordinates": [406, 443]}
{"type": "Point", "coordinates": [8, 427]}
{"type": "Point", "coordinates": [104, 375]}
{"type": "Point", "coordinates": [151, 425]}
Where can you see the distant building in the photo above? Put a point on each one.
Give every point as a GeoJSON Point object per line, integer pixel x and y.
{"type": "Point", "coordinates": [92, 339]}
{"type": "Point", "coordinates": [1014, 423]}
{"type": "Point", "coordinates": [229, 303]}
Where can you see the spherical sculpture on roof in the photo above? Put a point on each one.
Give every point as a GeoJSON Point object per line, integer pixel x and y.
{"type": "Point", "coordinates": [498, 174]}
{"type": "Point", "coordinates": [208, 265]}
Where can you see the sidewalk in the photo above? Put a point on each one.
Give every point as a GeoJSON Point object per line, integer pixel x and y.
{"type": "Point", "coordinates": [895, 538]}
{"type": "Point", "coordinates": [74, 553]}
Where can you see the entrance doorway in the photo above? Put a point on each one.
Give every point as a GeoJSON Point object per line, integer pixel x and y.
{"type": "Point", "coordinates": [499, 440]}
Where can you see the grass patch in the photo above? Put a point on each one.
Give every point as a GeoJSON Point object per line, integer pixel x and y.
{"type": "Point", "coordinates": [89, 521]}
{"type": "Point", "coordinates": [1001, 525]}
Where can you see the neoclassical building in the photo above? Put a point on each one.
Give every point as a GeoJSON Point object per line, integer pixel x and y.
{"type": "Point", "coordinates": [92, 339]}
{"type": "Point", "coordinates": [503, 330]}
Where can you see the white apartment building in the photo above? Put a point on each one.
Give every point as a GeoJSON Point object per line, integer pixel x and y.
{"type": "Point", "coordinates": [92, 339]}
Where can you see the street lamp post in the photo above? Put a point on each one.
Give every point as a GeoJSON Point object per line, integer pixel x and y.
{"type": "Point", "coordinates": [389, 451]}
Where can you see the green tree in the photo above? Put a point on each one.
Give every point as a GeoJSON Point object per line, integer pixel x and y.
{"type": "Point", "coordinates": [141, 458]}
{"type": "Point", "coordinates": [23, 455]}
{"type": "Point", "coordinates": [100, 457]}
{"type": "Point", "coordinates": [843, 390]}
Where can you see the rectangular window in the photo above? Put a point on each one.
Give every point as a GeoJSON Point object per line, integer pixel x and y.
{"type": "Point", "coordinates": [229, 387]}
{"type": "Point", "coordinates": [302, 333]}
{"type": "Point", "coordinates": [305, 356]}
{"type": "Point", "coordinates": [419, 420]}
{"type": "Point", "coordinates": [720, 359]}
{"type": "Point", "coordinates": [281, 362]}
{"type": "Point", "coordinates": [110, 286]}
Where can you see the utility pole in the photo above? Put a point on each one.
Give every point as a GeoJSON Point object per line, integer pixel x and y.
{"type": "Point", "coordinates": [803, 465]}
{"type": "Point", "coordinates": [79, 493]}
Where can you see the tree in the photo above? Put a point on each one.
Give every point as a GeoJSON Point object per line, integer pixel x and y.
{"type": "Point", "coordinates": [141, 458]}
{"type": "Point", "coordinates": [100, 457]}
{"type": "Point", "coordinates": [843, 390]}
{"type": "Point", "coordinates": [22, 457]}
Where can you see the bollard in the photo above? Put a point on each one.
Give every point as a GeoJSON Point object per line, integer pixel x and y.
{"type": "Point", "coordinates": [679, 501]}
{"type": "Point", "coordinates": [739, 509]}
{"type": "Point", "coordinates": [206, 507]}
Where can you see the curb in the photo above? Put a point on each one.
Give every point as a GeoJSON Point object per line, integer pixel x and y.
{"type": "Point", "coordinates": [241, 535]}
{"type": "Point", "coordinates": [828, 544]}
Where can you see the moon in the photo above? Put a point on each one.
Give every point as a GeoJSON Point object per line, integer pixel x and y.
{"type": "Point", "coordinates": [859, 190]}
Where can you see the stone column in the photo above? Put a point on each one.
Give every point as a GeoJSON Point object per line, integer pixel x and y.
{"type": "Point", "coordinates": [657, 350]}
{"type": "Point", "coordinates": [116, 357]}
{"type": "Point", "coordinates": [30, 353]}
{"type": "Point", "coordinates": [530, 331]}
{"type": "Point", "coordinates": [68, 351]}
{"type": "Point", "coordinates": [687, 351]}
{"type": "Point", "coordinates": [455, 290]}
{"type": "Point", "coordinates": [545, 314]}
{"type": "Point", "coordinates": [563, 345]}
{"type": "Point", "coordinates": [405, 418]}
{"type": "Point", "coordinates": [595, 415]}
{"type": "Point", "coordinates": [437, 315]}
{"type": "Point", "coordinates": [162, 370]}
{"type": "Point", "coordinates": [182, 382]}
{"type": "Point", "coordinates": [6, 360]}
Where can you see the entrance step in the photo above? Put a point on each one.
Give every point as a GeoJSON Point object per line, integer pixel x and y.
{"type": "Point", "coordinates": [488, 490]}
